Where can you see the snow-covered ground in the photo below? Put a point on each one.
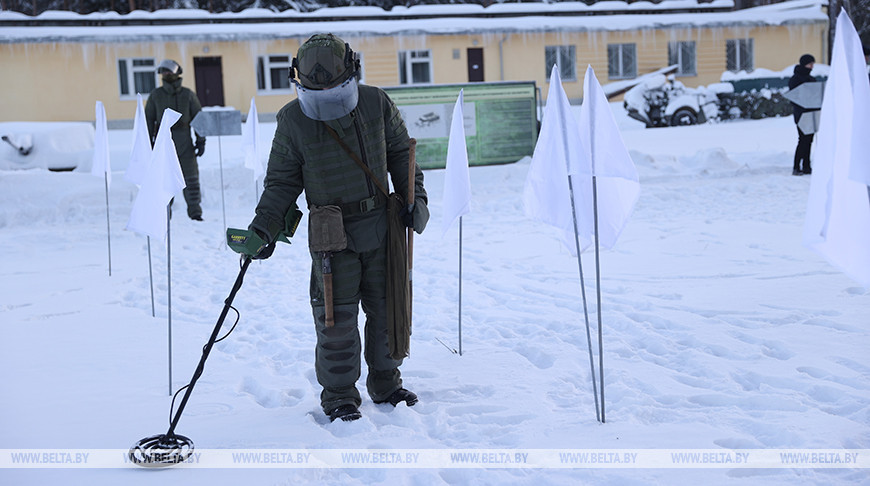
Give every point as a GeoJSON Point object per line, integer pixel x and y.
{"type": "Point", "coordinates": [721, 331]}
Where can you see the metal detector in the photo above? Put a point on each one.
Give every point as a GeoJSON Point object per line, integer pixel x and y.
{"type": "Point", "coordinates": [170, 448]}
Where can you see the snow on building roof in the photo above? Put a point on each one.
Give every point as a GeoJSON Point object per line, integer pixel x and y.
{"type": "Point", "coordinates": [139, 26]}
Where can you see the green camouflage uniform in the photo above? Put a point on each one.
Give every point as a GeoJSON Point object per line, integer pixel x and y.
{"type": "Point", "coordinates": [183, 100]}
{"type": "Point", "coordinates": [305, 156]}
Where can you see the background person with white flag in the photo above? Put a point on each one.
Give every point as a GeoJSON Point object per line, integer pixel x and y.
{"type": "Point", "coordinates": [140, 152]}
{"type": "Point", "coordinates": [457, 189]}
{"type": "Point", "coordinates": [162, 182]}
{"type": "Point", "coordinates": [837, 224]}
{"type": "Point", "coordinates": [172, 95]}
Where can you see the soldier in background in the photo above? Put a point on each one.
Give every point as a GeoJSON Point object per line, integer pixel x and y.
{"type": "Point", "coordinates": [323, 140]}
{"type": "Point", "coordinates": [183, 100]}
{"type": "Point", "coordinates": [805, 140]}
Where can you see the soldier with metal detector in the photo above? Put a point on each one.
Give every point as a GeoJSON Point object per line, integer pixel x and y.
{"type": "Point", "coordinates": [339, 141]}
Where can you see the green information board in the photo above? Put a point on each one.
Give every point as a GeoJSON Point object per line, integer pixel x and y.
{"type": "Point", "coordinates": [500, 120]}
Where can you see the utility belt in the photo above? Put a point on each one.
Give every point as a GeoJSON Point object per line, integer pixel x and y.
{"type": "Point", "coordinates": [364, 206]}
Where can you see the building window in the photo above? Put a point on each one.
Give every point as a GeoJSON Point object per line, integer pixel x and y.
{"type": "Point", "coordinates": [273, 73]}
{"type": "Point", "coordinates": [682, 53]}
{"type": "Point", "coordinates": [621, 61]}
{"type": "Point", "coordinates": [136, 75]}
{"type": "Point", "coordinates": [563, 56]}
{"type": "Point", "coordinates": [415, 67]}
{"type": "Point", "coordinates": [739, 55]}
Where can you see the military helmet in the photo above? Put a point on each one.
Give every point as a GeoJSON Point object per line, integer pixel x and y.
{"type": "Point", "coordinates": [169, 66]}
{"type": "Point", "coordinates": [324, 61]}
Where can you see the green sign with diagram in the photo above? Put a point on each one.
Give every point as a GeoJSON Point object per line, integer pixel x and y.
{"type": "Point", "coordinates": [500, 120]}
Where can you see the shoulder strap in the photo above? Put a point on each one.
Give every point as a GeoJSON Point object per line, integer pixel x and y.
{"type": "Point", "coordinates": [356, 159]}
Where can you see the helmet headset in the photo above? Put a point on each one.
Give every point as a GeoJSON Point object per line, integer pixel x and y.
{"type": "Point", "coordinates": [328, 73]}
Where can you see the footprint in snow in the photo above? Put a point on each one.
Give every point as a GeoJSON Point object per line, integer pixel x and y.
{"type": "Point", "coordinates": [776, 350]}
{"type": "Point", "coordinates": [535, 356]}
{"type": "Point", "coordinates": [269, 398]}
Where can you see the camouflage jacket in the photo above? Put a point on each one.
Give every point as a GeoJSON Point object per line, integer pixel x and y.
{"type": "Point", "coordinates": [305, 156]}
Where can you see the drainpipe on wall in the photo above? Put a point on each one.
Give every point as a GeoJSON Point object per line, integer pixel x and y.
{"type": "Point", "coordinates": [501, 57]}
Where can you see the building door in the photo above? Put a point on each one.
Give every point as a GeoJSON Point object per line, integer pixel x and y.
{"type": "Point", "coordinates": [475, 64]}
{"type": "Point", "coordinates": [209, 80]}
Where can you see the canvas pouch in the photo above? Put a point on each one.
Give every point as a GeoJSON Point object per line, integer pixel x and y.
{"type": "Point", "coordinates": [326, 229]}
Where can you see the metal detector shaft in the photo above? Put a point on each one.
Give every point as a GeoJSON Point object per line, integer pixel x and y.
{"type": "Point", "coordinates": [207, 349]}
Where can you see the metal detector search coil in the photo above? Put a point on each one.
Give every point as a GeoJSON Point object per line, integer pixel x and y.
{"type": "Point", "coordinates": [162, 450]}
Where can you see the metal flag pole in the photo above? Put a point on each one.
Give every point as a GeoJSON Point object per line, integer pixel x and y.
{"type": "Point", "coordinates": [108, 227]}
{"type": "Point", "coordinates": [460, 286]}
{"type": "Point", "coordinates": [150, 276]}
{"type": "Point", "coordinates": [597, 254]}
{"type": "Point", "coordinates": [580, 267]}
{"type": "Point", "coordinates": [169, 290]}
{"type": "Point", "coordinates": [223, 203]}
{"type": "Point", "coordinates": [209, 123]}
{"type": "Point", "coordinates": [598, 415]}
{"type": "Point", "coordinates": [598, 291]}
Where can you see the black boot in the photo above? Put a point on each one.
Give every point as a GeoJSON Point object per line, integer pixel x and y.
{"type": "Point", "coordinates": [796, 172]}
{"type": "Point", "coordinates": [347, 413]}
{"type": "Point", "coordinates": [401, 395]}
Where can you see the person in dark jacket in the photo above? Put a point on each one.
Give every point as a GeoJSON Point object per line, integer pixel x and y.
{"type": "Point", "coordinates": [323, 139]}
{"type": "Point", "coordinates": [183, 100]}
{"type": "Point", "coordinates": [805, 140]}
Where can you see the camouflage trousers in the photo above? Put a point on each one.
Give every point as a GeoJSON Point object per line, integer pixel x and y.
{"type": "Point", "coordinates": [358, 278]}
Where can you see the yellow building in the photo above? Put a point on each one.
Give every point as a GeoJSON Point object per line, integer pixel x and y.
{"type": "Point", "coordinates": [56, 65]}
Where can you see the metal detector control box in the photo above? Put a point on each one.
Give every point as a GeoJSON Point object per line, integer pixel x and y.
{"type": "Point", "coordinates": [248, 242]}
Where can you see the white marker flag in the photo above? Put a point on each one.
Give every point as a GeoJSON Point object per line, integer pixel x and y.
{"type": "Point", "coordinates": [605, 157]}
{"type": "Point", "coordinates": [101, 166]}
{"type": "Point", "coordinates": [251, 142]}
{"type": "Point", "coordinates": [546, 195]}
{"type": "Point", "coordinates": [140, 152]}
{"type": "Point", "coordinates": [163, 181]}
{"type": "Point", "coordinates": [837, 225]}
{"type": "Point", "coordinates": [457, 184]}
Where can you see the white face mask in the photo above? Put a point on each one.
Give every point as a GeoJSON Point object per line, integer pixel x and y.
{"type": "Point", "coordinates": [328, 104]}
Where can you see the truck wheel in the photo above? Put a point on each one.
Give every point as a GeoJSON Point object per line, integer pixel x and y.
{"type": "Point", "coordinates": [683, 117]}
